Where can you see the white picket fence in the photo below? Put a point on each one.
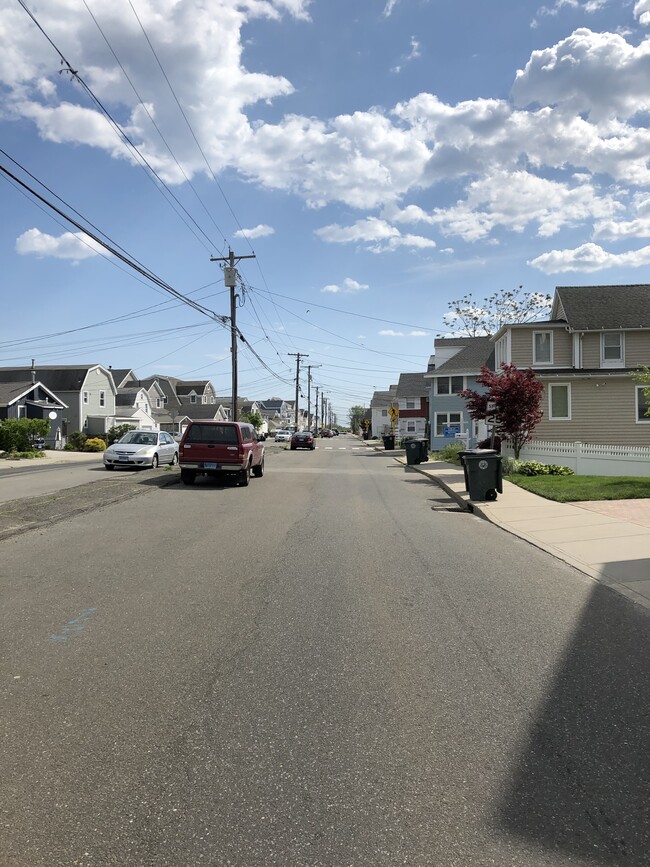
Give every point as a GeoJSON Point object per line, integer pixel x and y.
{"type": "Point", "coordinates": [588, 459]}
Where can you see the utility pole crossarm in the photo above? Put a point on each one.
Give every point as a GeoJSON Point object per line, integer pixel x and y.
{"type": "Point", "coordinates": [298, 356]}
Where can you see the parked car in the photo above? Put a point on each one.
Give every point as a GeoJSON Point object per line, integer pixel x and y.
{"type": "Point", "coordinates": [218, 448]}
{"type": "Point", "coordinates": [142, 448]}
{"type": "Point", "coordinates": [282, 436]}
{"type": "Point", "coordinates": [302, 440]}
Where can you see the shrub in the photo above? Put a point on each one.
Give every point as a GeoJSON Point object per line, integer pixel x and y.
{"type": "Point", "coordinates": [449, 453]}
{"type": "Point", "coordinates": [94, 444]}
{"type": "Point", "coordinates": [17, 434]}
{"type": "Point", "coordinates": [557, 470]}
{"type": "Point", "coordinates": [487, 444]}
{"type": "Point", "coordinates": [510, 466]}
{"type": "Point", "coordinates": [117, 432]}
{"type": "Point", "coordinates": [77, 440]}
{"type": "Point", "coordinates": [533, 468]}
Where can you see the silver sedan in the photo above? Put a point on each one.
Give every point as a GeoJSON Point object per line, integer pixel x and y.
{"type": "Point", "coordinates": [142, 448]}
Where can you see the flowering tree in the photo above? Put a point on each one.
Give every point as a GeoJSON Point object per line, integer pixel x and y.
{"type": "Point", "coordinates": [516, 396]}
{"type": "Point", "coordinates": [469, 316]}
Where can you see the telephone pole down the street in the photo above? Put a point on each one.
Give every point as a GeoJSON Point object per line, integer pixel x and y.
{"type": "Point", "coordinates": [298, 356]}
{"type": "Point", "coordinates": [230, 280]}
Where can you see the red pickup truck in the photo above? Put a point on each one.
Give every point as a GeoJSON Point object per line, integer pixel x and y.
{"type": "Point", "coordinates": [214, 448]}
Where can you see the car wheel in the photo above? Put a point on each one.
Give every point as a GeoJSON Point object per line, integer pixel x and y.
{"type": "Point", "coordinates": [154, 462]}
{"type": "Point", "coordinates": [258, 471]}
{"type": "Point", "coordinates": [174, 459]}
{"type": "Point", "coordinates": [244, 476]}
{"type": "Point", "coordinates": [188, 477]}
{"type": "Point", "coordinates": [109, 467]}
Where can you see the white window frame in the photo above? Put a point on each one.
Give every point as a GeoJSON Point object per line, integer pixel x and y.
{"type": "Point", "coordinates": [410, 404]}
{"type": "Point", "coordinates": [411, 427]}
{"type": "Point", "coordinates": [551, 386]}
{"type": "Point", "coordinates": [102, 398]}
{"type": "Point", "coordinates": [643, 419]}
{"type": "Point", "coordinates": [501, 355]}
{"type": "Point", "coordinates": [85, 396]}
{"type": "Point", "coordinates": [446, 415]}
{"type": "Point", "coordinates": [157, 403]}
{"type": "Point", "coordinates": [612, 362]}
{"type": "Point", "coordinates": [536, 361]}
{"type": "Point", "coordinates": [192, 398]}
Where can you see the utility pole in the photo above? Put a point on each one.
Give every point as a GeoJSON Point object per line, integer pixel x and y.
{"type": "Point", "coordinates": [298, 356]}
{"type": "Point", "coordinates": [230, 280]}
{"type": "Point", "coordinates": [309, 369]}
{"type": "Point", "coordinates": [316, 412]}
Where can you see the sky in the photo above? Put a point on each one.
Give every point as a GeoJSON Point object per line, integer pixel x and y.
{"type": "Point", "coordinates": [380, 159]}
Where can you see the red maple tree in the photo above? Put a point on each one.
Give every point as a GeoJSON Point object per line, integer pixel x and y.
{"type": "Point", "coordinates": [515, 396]}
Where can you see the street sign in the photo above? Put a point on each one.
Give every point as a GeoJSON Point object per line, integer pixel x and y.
{"type": "Point", "coordinates": [393, 412]}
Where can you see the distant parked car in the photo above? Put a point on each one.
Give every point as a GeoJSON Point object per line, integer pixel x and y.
{"type": "Point", "coordinates": [216, 448]}
{"type": "Point", "coordinates": [282, 436]}
{"type": "Point", "coordinates": [142, 448]}
{"type": "Point", "coordinates": [302, 440]}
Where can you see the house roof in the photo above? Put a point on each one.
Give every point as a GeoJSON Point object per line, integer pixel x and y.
{"type": "Point", "coordinates": [185, 386]}
{"type": "Point", "coordinates": [60, 378]}
{"type": "Point", "coordinates": [12, 391]}
{"type": "Point", "coordinates": [412, 385]}
{"type": "Point", "coordinates": [597, 308]}
{"type": "Point", "coordinates": [120, 374]}
{"type": "Point", "coordinates": [473, 354]}
{"type": "Point", "coordinates": [126, 396]}
{"type": "Point", "coordinates": [202, 411]}
{"type": "Point", "coordinates": [382, 398]}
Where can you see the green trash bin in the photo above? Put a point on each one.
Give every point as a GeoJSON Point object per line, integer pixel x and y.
{"type": "Point", "coordinates": [482, 468]}
{"type": "Point", "coordinates": [424, 450]}
{"type": "Point", "coordinates": [413, 452]}
{"type": "Point", "coordinates": [389, 442]}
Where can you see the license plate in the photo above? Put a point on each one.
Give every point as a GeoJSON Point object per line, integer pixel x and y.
{"type": "Point", "coordinates": [208, 466]}
{"type": "Point", "coordinates": [123, 457]}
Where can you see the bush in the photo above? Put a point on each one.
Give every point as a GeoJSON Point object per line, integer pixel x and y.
{"type": "Point", "coordinates": [534, 468]}
{"type": "Point", "coordinates": [449, 453]}
{"type": "Point", "coordinates": [77, 441]}
{"type": "Point", "coordinates": [17, 434]}
{"type": "Point", "coordinates": [94, 444]}
{"type": "Point", "coordinates": [117, 432]}
{"type": "Point", "coordinates": [487, 444]}
{"type": "Point", "coordinates": [510, 466]}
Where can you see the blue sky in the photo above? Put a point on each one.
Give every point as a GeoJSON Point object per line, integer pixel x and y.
{"type": "Point", "coordinates": [381, 159]}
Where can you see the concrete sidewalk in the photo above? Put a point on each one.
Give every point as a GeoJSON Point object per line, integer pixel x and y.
{"type": "Point", "coordinates": [608, 540]}
{"type": "Point", "coordinates": [52, 457]}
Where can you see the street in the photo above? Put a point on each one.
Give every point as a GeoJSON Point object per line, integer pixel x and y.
{"type": "Point", "coordinates": [333, 667]}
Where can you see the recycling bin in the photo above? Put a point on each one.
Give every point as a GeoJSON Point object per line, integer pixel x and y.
{"type": "Point", "coordinates": [424, 450]}
{"type": "Point", "coordinates": [483, 478]}
{"type": "Point", "coordinates": [389, 441]}
{"type": "Point", "coordinates": [413, 452]}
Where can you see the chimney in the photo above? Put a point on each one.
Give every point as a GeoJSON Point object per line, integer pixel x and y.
{"type": "Point", "coordinates": [33, 372]}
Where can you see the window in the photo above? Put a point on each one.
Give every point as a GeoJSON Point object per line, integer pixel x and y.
{"type": "Point", "coordinates": [642, 405]}
{"type": "Point", "coordinates": [384, 413]}
{"type": "Point", "coordinates": [446, 422]}
{"type": "Point", "coordinates": [158, 403]}
{"type": "Point", "coordinates": [410, 404]}
{"type": "Point", "coordinates": [85, 397]}
{"type": "Point", "coordinates": [542, 347]}
{"type": "Point", "coordinates": [611, 349]}
{"type": "Point", "coordinates": [501, 352]}
{"type": "Point", "coordinates": [450, 384]}
{"type": "Point", "coordinates": [559, 402]}
{"type": "Point", "coordinates": [102, 398]}
{"type": "Point", "coordinates": [192, 398]}
{"type": "Point", "coordinates": [204, 399]}
{"type": "Point", "coordinates": [410, 427]}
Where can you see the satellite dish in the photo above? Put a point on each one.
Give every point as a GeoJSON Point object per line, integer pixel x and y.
{"type": "Point", "coordinates": [52, 415]}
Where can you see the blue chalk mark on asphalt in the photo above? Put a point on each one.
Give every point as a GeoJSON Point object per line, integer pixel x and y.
{"type": "Point", "coordinates": [74, 626]}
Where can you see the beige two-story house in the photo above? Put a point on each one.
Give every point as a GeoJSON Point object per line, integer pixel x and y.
{"type": "Point", "coordinates": [584, 354]}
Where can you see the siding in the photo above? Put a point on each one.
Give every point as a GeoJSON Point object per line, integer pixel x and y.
{"type": "Point", "coordinates": [637, 349]}
{"type": "Point", "coordinates": [603, 412]}
{"type": "Point", "coordinates": [522, 347]}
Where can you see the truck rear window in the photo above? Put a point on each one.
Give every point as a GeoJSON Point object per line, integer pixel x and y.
{"type": "Point", "coordinates": [212, 433]}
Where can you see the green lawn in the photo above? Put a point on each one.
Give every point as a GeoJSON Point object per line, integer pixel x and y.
{"type": "Point", "coordinates": [566, 489]}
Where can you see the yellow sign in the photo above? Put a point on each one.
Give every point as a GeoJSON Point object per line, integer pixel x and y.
{"type": "Point", "coordinates": [393, 412]}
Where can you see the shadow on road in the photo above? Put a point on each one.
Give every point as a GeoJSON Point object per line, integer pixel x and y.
{"type": "Point", "coordinates": [581, 785]}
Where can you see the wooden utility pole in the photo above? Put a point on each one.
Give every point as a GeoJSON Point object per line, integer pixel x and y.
{"type": "Point", "coordinates": [316, 413]}
{"type": "Point", "coordinates": [298, 356]}
{"type": "Point", "coordinates": [230, 280]}
{"type": "Point", "coordinates": [309, 370]}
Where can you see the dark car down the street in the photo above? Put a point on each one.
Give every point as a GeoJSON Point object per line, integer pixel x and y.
{"type": "Point", "coordinates": [302, 439]}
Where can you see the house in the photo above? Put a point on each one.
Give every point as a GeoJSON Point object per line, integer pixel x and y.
{"type": "Point", "coordinates": [26, 398]}
{"type": "Point", "coordinates": [412, 396]}
{"type": "Point", "coordinates": [380, 403]}
{"type": "Point", "coordinates": [276, 412]}
{"type": "Point", "coordinates": [584, 354]}
{"type": "Point", "coordinates": [86, 393]}
{"type": "Point", "coordinates": [132, 406]}
{"type": "Point", "coordinates": [458, 361]}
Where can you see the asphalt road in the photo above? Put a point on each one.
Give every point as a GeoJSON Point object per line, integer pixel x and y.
{"type": "Point", "coordinates": [331, 667]}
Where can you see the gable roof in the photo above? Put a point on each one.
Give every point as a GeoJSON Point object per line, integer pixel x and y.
{"type": "Point", "coordinates": [63, 377]}
{"type": "Point", "coordinates": [597, 308]}
{"type": "Point", "coordinates": [412, 385]}
{"type": "Point", "coordinates": [474, 352]}
{"type": "Point", "coordinates": [120, 374]}
{"type": "Point", "coordinates": [10, 392]}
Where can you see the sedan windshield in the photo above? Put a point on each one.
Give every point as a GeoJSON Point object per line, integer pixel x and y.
{"type": "Point", "coordinates": [136, 437]}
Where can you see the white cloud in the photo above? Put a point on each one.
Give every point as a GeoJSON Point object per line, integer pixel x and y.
{"type": "Point", "coordinates": [73, 246]}
{"type": "Point", "coordinates": [377, 235]}
{"type": "Point", "coordinates": [588, 258]}
{"type": "Point", "coordinates": [388, 8]}
{"type": "Point", "coordinates": [388, 332]}
{"type": "Point", "coordinates": [260, 231]}
{"type": "Point", "coordinates": [347, 286]}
